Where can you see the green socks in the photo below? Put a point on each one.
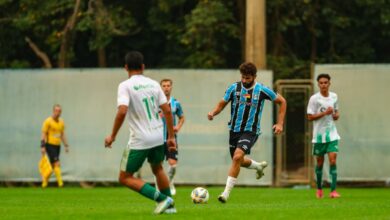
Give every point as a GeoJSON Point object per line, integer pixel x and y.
{"type": "Point", "coordinates": [333, 174]}
{"type": "Point", "coordinates": [166, 192]}
{"type": "Point", "coordinates": [151, 193]}
{"type": "Point", "coordinates": [319, 177]}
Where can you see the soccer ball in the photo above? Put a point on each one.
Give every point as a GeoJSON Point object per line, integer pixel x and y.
{"type": "Point", "coordinates": [199, 195]}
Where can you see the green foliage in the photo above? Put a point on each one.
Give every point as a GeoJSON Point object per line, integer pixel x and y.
{"type": "Point", "coordinates": [207, 31]}
{"type": "Point", "coordinates": [197, 33]}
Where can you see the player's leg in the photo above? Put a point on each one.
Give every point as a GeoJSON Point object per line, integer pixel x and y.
{"type": "Point", "coordinates": [247, 141]}
{"type": "Point", "coordinates": [318, 171]}
{"type": "Point", "coordinates": [172, 164]}
{"type": "Point", "coordinates": [332, 155]}
{"type": "Point", "coordinates": [54, 152]}
{"type": "Point", "coordinates": [50, 155]}
{"type": "Point", "coordinates": [131, 161]}
{"type": "Point", "coordinates": [57, 172]}
{"type": "Point", "coordinates": [234, 171]}
{"type": "Point", "coordinates": [155, 158]}
{"type": "Point", "coordinates": [319, 150]}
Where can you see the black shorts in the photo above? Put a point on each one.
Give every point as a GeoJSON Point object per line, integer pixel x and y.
{"type": "Point", "coordinates": [243, 140]}
{"type": "Point", "coordinates": [171, 155]}
{"type": "Point", "coordinates": [53, 152]}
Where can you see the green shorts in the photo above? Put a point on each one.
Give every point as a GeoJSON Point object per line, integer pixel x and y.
{"type": "Point", "coordinates": [132, 159]}
{"type": "Point", "coordinates": [320, 149]}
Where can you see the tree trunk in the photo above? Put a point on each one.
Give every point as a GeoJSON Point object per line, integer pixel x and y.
{"type": "Point", "coordinates": [101, 52]}
{"type": "Point", "coordinates": [67, 38]}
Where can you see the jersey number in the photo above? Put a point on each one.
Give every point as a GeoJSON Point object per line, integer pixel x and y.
{"type": "Point", "coordinates": [149, 102]}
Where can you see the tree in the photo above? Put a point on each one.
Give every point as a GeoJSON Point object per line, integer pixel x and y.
{"type": "Point", "coordinates": [207, 31]}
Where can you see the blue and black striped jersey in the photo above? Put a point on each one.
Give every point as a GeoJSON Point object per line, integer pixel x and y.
{"type": "Point", "coordinates": [247, 106]}
{"type": "Point", "coordinates": [176, 110]}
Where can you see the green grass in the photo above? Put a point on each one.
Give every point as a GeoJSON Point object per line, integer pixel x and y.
{"type": "Point", "coordinates": [244, 203]}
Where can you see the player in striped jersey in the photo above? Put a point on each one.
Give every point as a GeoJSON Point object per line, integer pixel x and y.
{"type": "Point", "coordinates": [247, 102]}
{"type": "Point", "coordinates": [177, 110]}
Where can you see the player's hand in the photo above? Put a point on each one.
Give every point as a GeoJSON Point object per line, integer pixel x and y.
{"type": "Point", "coordinates": [278, 128]}
{"type": "Point", "coordinates": [176, 129]}
{"type": "Point", "coordinates": [171, 143]}
{"type": "Point", "coordinates": [43, 151]}
{"type": "Point", "coordinates": [329, 111]}
{"type": "Point", "coordinates": [210, 116]}
{"type": "Point", "coordinates": [108, 141]}
{"type": "Point", "coordinates": [335, 116]}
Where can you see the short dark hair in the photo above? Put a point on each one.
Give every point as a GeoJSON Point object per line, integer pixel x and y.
{"type": "Point", "coordinates": [166, 80]}
{"type": "Point", "coordinates": [248, 68]}
{"type": "Point", "coordinates": [323, 75]}
{"type": "Point", "coordinates": [134, 60]}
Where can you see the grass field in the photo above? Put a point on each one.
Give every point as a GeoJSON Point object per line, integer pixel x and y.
{"type": "Point", "coordinates": [244, 203]}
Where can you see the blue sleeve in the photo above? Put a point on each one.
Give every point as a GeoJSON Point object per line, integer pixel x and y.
{"type": "Point", "coordinates": [270, 93]}
{"type": "Point", "coordinates": [229, 93]}
{"type": "Point", "coordinates": [179, 109]}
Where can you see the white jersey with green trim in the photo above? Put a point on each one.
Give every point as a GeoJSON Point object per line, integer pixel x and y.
{"type": "Point", "coordinates": [324, 129]}
{"type": "Point", "coordinates": [143, 96]}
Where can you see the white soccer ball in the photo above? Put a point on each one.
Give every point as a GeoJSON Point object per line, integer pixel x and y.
{"type": "Point", "coordinates": [200, 195]}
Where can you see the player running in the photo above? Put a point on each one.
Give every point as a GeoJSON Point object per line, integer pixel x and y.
{"type": "Point", "coordinates": [140, 98]}
{"type": "Point", "coordinates": [247, 102]}
{"type": "Point", "coordinates": [323, 111]}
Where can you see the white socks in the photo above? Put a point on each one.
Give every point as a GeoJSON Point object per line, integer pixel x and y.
{"type": "Point", "coordinates": [230, 182]}
{"type": "Point", "coordinates": [171, 172]}
{"type": "Point", "coordinates": [254, 165]}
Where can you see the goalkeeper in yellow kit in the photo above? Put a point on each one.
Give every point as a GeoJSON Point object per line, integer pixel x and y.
{"type": "Point", "coordinates": [53, 132]}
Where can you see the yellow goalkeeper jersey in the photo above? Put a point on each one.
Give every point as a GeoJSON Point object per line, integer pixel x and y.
{"type": "Point", "coordinates": [53, 130]}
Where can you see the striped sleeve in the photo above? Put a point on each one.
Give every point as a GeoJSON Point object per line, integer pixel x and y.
{"type": "Point", "coordinates": [229, 93]}
{"type": "Point", "coordinates": [269, 93]}
{"type": "Point", "coordinates": [179, 109]}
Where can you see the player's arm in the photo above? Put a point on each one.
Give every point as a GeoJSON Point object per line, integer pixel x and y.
{"type": "Point", "coordinates": [281, 101]}
{"type": "Point", "coordinates": [45, 129]}
{"type": "Point", "coordinates": [43, 142]}
{"type": "Point", "coordinates": [180, 114]}
{"type": "Point", "coordinates": [64, 140]}
{"type": "Point", "coordinates": [119, 118]}
{"type": "Point", "coordinates": [179, 124]}
{"type": "Point", "coordinates": [169, 120]}
{"type": "Point", "coordinates": [220, 106]}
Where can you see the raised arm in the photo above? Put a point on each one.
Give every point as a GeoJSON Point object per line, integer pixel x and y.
{"type": "Point", "coordinates": [220, 106]}
{"type": "Point", "coordinates": [281, 101]}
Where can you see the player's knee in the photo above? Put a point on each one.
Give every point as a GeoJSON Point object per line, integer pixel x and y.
{"type": "Point", "coordinates": [238, 158]}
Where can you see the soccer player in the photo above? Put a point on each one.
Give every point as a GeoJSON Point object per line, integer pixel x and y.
{"type": "Point", "coordinates": [166, 85]}
{"type": "Point", "coordinates": [53, 132]}
{"type": "Point", "coordinates": [323, 111]}
{"type": "Point", "coordinates": [140, 98]}
{"type": "Point", "coordinates": [247, 102]}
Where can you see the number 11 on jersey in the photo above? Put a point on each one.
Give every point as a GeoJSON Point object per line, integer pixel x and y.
{"type": "Point", "coordinates": [148, 103]}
